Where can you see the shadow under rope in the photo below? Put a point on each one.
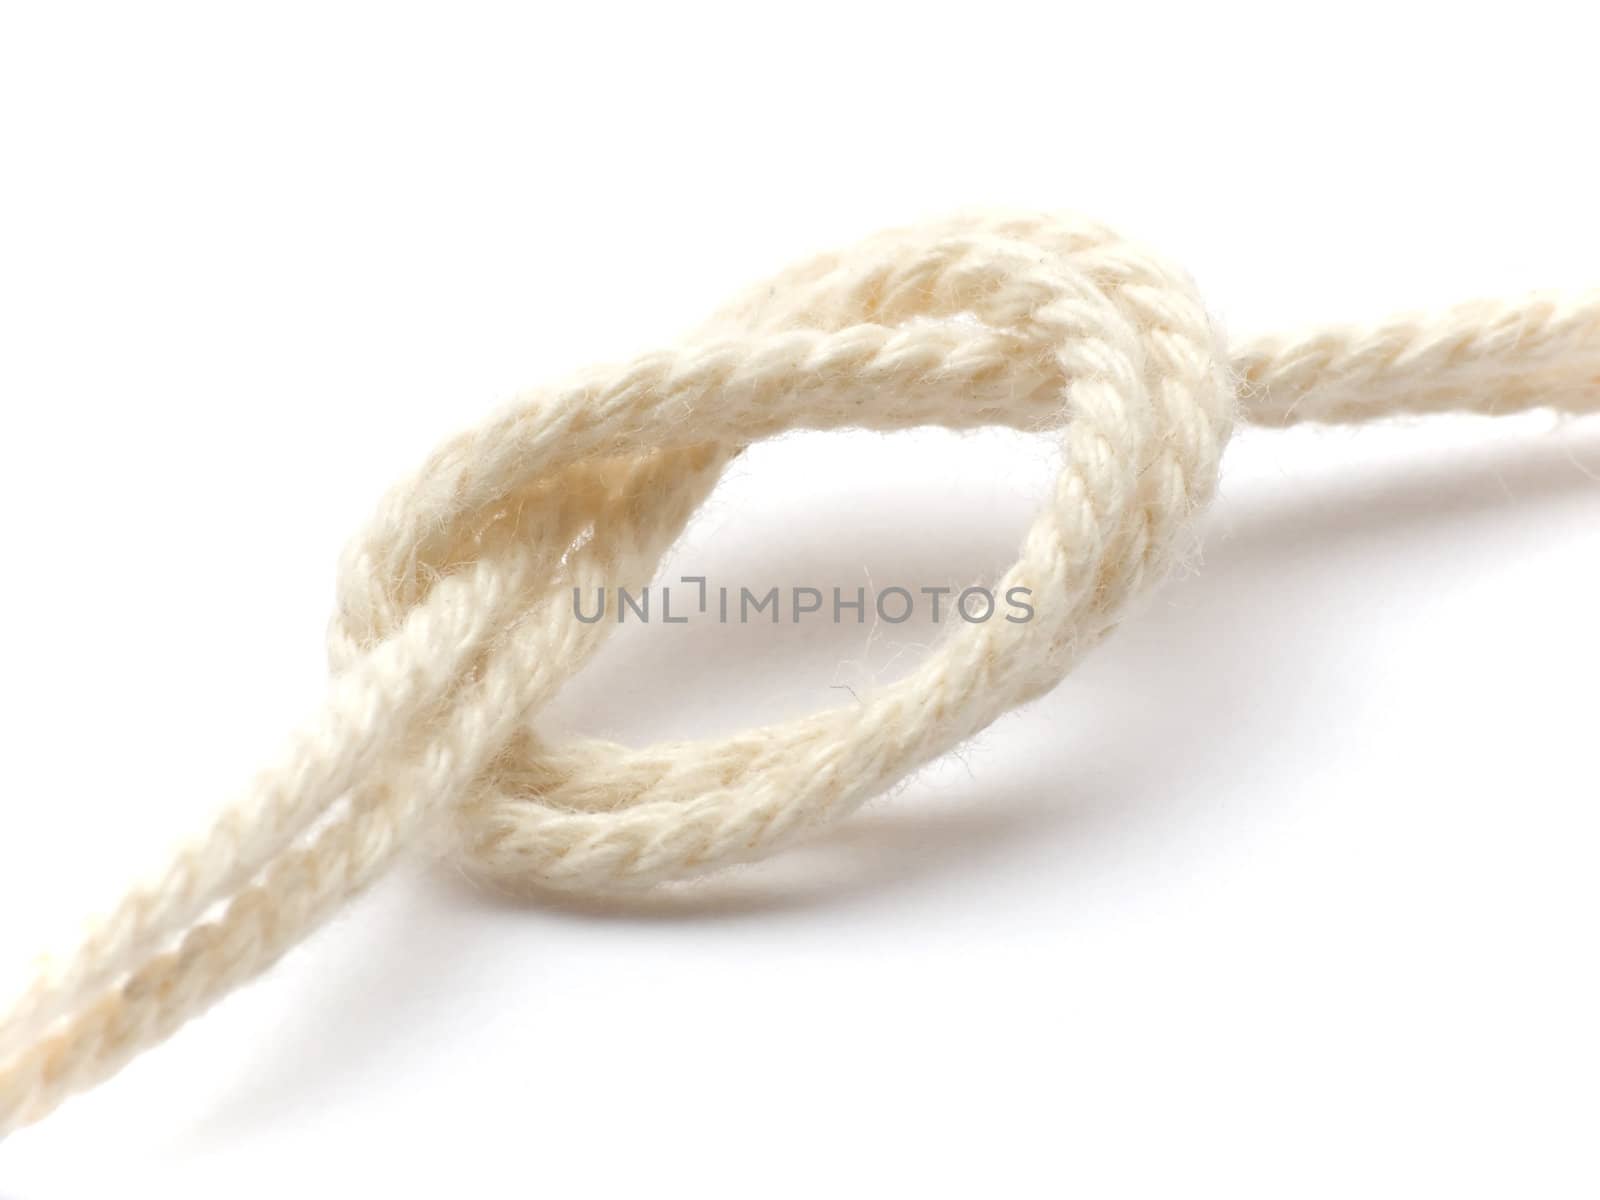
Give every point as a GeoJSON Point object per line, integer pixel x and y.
{"type": "Point", "coordinates": [1500, 479]}
{"type": "Point", "coordinates": [1162, 680]}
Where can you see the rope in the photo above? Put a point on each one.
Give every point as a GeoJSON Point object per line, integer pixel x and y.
{"type": "Point", "coordinates": [452, 627]}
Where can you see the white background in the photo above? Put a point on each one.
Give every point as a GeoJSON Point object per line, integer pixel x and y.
{"type": "Point", "coordinates": [1289, 891]}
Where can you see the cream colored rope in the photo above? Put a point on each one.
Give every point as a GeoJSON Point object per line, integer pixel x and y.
{"type": "Point", "coordinates": [453, 627]}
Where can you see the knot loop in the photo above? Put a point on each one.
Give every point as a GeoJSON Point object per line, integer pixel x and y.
{"type": "Point", "coordinates": [1027, 322]}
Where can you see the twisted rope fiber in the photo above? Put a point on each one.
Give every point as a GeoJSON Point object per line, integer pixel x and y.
{"type": "Point", "coordinates": [452, 629]}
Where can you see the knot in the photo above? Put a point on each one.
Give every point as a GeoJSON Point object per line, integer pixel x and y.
{"type": "Point", "coordinates": [1036, 323]}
